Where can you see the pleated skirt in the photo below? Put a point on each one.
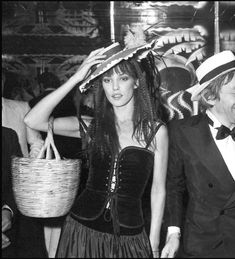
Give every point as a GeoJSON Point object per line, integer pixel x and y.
{"type": "Point", "coordinates": [79, 241]}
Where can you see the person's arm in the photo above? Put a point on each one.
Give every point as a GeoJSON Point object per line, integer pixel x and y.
{"type": "Point", "coordinates": [35, 142]}
{"type": "Point", "coordinates": [38, 116]}
{"type": "Point", "coordinates": [33, 137]}
{"type": "Point", "coordinates": [172, 242]}
{"type": "Point", "coordinates": [158, 192]}
{"type": "Point", "coordinates": [174, 199]}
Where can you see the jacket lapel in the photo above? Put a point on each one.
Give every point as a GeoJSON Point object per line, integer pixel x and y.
{"type": "Point", "coordinates": [199, 136]}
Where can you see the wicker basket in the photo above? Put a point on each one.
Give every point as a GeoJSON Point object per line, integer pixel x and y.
{"type": "Point", "coordinates": [45, 188]}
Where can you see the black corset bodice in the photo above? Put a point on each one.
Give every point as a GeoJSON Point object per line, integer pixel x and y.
{"type": "Point", "coordinates": [132, 168]}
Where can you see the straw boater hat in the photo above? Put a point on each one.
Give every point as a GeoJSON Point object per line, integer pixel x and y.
{"type": "Point", "coordinates": [212, 68]}
{"type": "Point", "coordinates": [114, 55]}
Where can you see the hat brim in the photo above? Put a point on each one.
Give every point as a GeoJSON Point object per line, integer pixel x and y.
{"type": "Point", "coordinates": [114, 60]}
{"type": "Point", "coordinates": [199, 87]}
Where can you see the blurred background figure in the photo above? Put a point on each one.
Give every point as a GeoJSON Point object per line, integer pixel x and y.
{"type": "Point", "coordinates": [30, 239]}
{"type": "Point", "coordinates": [13, 113]}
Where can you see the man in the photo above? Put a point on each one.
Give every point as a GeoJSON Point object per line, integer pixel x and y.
{"type": "Point", "coordinates": [30, 238]}
{"type": "Point", "coordinates": [13, 112]}
{"type": "Point", "coordinates": [10, 147]}
{"type": "Point", "coordinates": [202, 168]}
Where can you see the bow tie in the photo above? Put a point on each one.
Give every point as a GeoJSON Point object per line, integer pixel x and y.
{"type": "Point", "coordinates": [223, 131]}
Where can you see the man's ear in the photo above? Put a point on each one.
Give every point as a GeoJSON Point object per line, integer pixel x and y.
{"type": "Point", "coordinates": [136, 84]}
{"type": "Point", "coordinates": [210, 100]}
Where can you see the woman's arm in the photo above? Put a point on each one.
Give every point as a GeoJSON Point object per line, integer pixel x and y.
{"type": "Point", "coordinates": [37, 118]}
{"type": "Point", "coordinates": [158, 191]}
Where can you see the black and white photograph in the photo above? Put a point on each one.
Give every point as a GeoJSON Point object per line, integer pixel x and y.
{"type": "Point", "coordinates": [118, 129]}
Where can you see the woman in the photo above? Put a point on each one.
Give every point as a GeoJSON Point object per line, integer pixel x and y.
{"type": "Point", "coordinates": [127, 143]}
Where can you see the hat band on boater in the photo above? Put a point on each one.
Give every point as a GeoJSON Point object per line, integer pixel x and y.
{"type": "Point", "coordinates": [215, 72]}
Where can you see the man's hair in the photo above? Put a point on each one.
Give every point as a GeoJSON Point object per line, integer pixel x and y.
{"type": "Point", "coordinates": [212, 91]}
{"type": "Point", "coordinates": [49, 80]}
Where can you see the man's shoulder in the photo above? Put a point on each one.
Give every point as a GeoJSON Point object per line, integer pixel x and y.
{"type": "Point", "coordinates": [188, 121]}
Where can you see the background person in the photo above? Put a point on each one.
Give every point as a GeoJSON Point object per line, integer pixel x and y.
{"type": "Point", "coordinates": [30, 239]}
{"type": "Point", "coordinates": [10, 147]}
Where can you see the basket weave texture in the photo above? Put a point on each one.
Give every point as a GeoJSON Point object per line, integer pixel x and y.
{"type": "Point", "coordinates": [45, 188]}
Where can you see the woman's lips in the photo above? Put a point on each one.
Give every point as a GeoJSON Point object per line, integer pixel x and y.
{"type": "Point", "coordinates": [117, 96]}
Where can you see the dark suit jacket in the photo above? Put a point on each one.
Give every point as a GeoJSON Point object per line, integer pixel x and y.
{"type": "Point", "coordinates": [26, 234]}
{"type": "Point", "coordinates": [10, 147]}
{"type": "Point", "coordinates": [197, 169]}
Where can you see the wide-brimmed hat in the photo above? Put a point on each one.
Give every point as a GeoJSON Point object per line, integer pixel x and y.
{"type": "Point", "coordinates": [114, 55]}
{"type": "Point", "coordinates": [212, 68]}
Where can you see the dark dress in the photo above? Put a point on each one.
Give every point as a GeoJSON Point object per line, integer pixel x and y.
{"type": "Point", "coordinates": [107, 218]}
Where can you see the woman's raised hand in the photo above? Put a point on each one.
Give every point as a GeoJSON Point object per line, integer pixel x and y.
{"type": "Point", "coordinates": [94, 58]}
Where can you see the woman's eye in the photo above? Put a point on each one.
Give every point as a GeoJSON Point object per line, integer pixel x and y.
{"type": "Point", "coordinates": [124, 78]}
{"type": "Point", "coordinates": [106, 80]}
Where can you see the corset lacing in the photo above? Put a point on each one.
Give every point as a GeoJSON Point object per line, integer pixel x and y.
{"type": "Point", "coordinates": [112, 206]}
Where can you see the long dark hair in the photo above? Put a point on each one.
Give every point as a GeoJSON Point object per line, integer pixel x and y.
{"type": "Point", "coordinates": [104, 137]}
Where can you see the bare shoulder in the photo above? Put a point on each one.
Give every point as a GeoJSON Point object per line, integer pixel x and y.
{"type": "Point", "coordinates": [162, 131]}
{"type": "Point", "coordinates": [161, 138]}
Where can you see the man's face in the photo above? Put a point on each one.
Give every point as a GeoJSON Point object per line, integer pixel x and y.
{"type": "Point", "coordinates": [225, 107]}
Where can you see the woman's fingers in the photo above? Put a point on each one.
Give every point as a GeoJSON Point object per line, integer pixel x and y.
{"type": "Point", "coordinates": [84, 70]}
{"type": "Point", "coordinates": [97, 57]}
{"type": "Point", "coordinates": [89, 62]}
{"type": "Point", "coordinates": [94, 52]}
{"type": "Point", "coordinates": [94, 58]}
{"type": "Point", "coordinates": [95, 62]}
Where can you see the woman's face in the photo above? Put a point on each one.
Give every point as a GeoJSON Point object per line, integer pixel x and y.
{"type": "Point", "coordinates": [119, 88]}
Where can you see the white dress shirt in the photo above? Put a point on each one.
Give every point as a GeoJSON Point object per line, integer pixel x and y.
{"type": "Point", "coordinates": [13, 113]}
{"type": "Point", "coordinates": [226, 146]}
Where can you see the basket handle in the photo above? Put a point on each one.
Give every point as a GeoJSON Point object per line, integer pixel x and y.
{"type": "Point", "coordinates": [49, 143]}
